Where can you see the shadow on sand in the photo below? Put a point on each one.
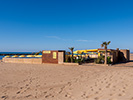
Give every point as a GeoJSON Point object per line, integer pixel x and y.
{"type": "Point", "coordinates": [124, 64]}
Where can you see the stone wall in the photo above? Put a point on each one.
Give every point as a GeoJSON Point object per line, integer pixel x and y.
{"type": "Point", "coordinates": [124, 55]}
{"type": "Point", "coordinates": [23, 60]}
{"type": "Point", "coordinates": [115, 56]}
{"type": "Point", "coordinates": [118, 56]}
{"type": "Point", "coordinates": [61, 57]}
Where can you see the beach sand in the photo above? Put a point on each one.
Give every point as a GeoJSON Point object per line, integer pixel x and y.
{"type": "Point", "coordinates": [62, 82]}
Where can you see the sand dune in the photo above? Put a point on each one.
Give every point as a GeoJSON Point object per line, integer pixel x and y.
{"type": "Point", "coordinates": [60, 82]}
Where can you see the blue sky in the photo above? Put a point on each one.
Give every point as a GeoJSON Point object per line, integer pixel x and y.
{"type": "Point", "coordinates": [34, 25]}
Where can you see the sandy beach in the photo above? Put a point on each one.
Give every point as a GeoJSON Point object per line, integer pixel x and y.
{"type": "Point", "coordinates": [61, 82]}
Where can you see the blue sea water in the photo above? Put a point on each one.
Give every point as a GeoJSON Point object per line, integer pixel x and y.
{"type": "Point", "coordinates": [1, 57]}
{"type": "Point", "coordinates": [14, 53]}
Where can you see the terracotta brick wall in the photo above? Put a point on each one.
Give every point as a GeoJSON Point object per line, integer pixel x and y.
{"type": "Point", "coordinates": [48, 57]}
{"type": "Point", "coordinates": [53, 56]}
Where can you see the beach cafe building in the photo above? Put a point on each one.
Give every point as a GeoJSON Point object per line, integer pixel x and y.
{"type": "Point", "coordinates": [116, 55]}
{"type": "Point", "coordinates": [58, 56]}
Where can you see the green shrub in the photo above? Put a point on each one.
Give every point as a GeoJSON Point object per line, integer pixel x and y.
{"type": "Point", "coordinates": [109, 60]}
{"type": "Point", "coordinates": [79, 60]}
{"type": "Point", "coordinates": [72, 60]}
{"type": "Point", "coordinates": [67, 58]}
{"type": "Point", "coordinates": [100, 60]}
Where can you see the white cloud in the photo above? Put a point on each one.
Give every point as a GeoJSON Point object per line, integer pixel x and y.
{"type": "Point", "coordinates": [86, 40]}
{"type": "Point", "coordinates": [56, 37]}
{"type": "Point", "coordinates": [82, 40]}
{"type": "Point", "coordinates": [53, 37]}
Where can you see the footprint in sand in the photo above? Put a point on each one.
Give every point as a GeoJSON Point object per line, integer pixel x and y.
{"type": "Point", "coordinates": [48, 95]}
{"type": "Point", "coordinates": [50, 88]}
{"type": "Point", "coordinates": [68, 95]}
{"type": "Point", "coordinates": [106, 82]}
{"type": "Point", "coordinates": [123, 91]}
{"type": "Point", "coordinates": [108, 86]}
{"type": "Point", "coordinates": [28, 88]}
{"type": "Point", "coordinates": [4, 91]}
{"type": "Point", "coordinates": [122, 94]}
{"type": "Point", "coordinates": [3, 85]}
{"type": "Point", "coordinates": [121, 77]}
{"type": "Point", "coordinates": [37, 85]}
{"type": "Point", "coordinates": [87, 96]}
{"type": "Point", "coordinates": [21, 87]}
{"type": "Point", "coordinates": [111, 76]}
{"type": "Point", "coordinates": [104, 78]}
{"type": "Point", "coordinates": [126, 84]}
{"type": "Point", "coordinates": [92, 89]}
{"type": "Point", "coordinates": [4, 97]}
{"type": "Point", "coordinates": [114, 86]}
{"type": "Point", "coordinates": [30, 82]}
{"type": "Point", "coordinates": [18, 92]}
{"type": "Point", "coordinates": [96, 92]}
{"type": "Point", "coordinates": [96, 98]}
{"type": "Point", "coordinates": [45, 92]}
{"type": "Point", "coordinates": [95, 84]}
{"type": "Point", "coordinates": [69, 83]}
{"type": "Point", "coordinates": [124, 87]}
{"type": "Point", "coordinates": [111, 94]}
{"type": "Point", "coordinates": [113, 99]}
{"type": "Point", "coordinates": [28, 96]}
{"type": "Point", "coordinates": [35, 89]}
{"type": "Point", "coordinates": [27, 85]}
{"type": "Point", "coordinates": [100, 89]}
{"type": "Point", "coordinates": [61, 89]}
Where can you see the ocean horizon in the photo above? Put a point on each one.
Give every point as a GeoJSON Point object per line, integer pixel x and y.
{"type": "Point", "coordinates": [14, 53]}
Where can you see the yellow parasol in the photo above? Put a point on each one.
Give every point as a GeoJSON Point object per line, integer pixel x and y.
{"type": "Point", "coordinates": [38, 55]}
{"type": "Point", "coordinates": [22, 56]}
{"type": "Point", "coordinates": [30, 56]}
{"type": "Point", "coordinates": [15, 56]}
{"type": "Point", "coordinates": [7, 56]}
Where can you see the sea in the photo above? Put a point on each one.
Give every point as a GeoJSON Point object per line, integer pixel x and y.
{"type": "Point", "coordinates": [14, 53]}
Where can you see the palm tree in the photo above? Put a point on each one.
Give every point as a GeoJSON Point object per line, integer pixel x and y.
{"type": "Point", "coordinates": [105, 44]}
{"type": "Point", "coordinates": [38, 53]}
{"type": "Point", "coordinates": [71, 49]}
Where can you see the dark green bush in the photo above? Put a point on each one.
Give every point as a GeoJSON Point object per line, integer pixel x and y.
{"type": "Point", "coordinates": [67, 58]}
{"type": "Point", "coordinates": [100, 60]}
{"type": "Point", "coordinates": [79, 60]}
{"type": "Point", "coordinates": [109, 60]}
